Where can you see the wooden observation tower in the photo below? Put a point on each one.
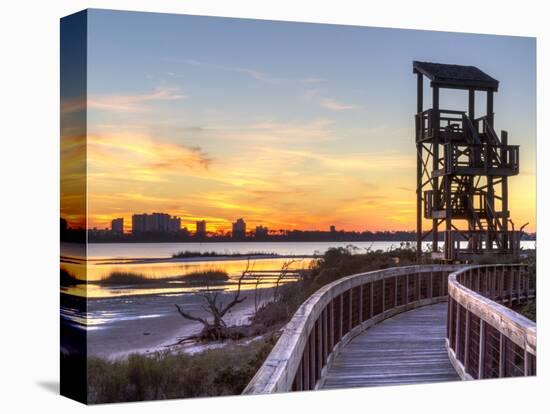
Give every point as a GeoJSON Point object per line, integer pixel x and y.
{"type": "Point", "coordinates": [462, 169]}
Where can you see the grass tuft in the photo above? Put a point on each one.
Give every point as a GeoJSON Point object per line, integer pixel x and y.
{"type": "Point", "coordinates": [137, 279]}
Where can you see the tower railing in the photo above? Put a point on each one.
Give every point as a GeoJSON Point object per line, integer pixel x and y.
{"type": "Point", "coordinates": [484, 338]}
{"type": "Point", "coordinates": [475, 159]}
{"type": "Point", "coordinates": [451, 124]}
{"type": "Point", "coordinates": [463, 244]}
{"type": "Point", "coordinates": [338, 312]}
{"type": "Point", "coordinates": [461, 207]}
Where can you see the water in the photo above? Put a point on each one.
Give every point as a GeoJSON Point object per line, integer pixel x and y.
{"type": "Point", "coordinates": [153, 260]}
{"type": "Point", "coordinates": [128, 318]}
{"type": "Point", "coordinates": [165, 250]}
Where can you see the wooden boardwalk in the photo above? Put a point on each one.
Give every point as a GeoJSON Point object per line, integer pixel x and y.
{"type": "Point", "coordinates": [406, 349]}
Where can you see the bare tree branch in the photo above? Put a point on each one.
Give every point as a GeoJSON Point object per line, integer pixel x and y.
{"type": "Point", "coordinates": [191, 317]}
{"type": "Point", "coordinates": [215, 308]}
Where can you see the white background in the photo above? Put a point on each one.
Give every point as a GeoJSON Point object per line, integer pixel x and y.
{"type": "Point", "coordinates": [29, 206]}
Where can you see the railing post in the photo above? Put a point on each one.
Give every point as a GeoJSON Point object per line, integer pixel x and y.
{"type": "Point", "coordinates": [502, 276]}
{"type": "Point", "coordinates": [319, 348]}
{"type": "Point", "coordinates": [527, 371]}
{"type": "Point", "coordinates": [383, 295]}
{"type": "Point", "coordinates": [457, 330]}
{"type": "Point", "coordinates": [417, 286]}
{"type": "Point", "coordinates": [481, 361]}
{"type": "Point", "coordinates": [300, 377]}
{"type": "Point", "coordinates": [526, 283]}
{"type": "Point", "coordinates": [331, 327]}
{"type": "Point", "coordinates": [501, 355]}
{"type": "Point", "coordinates": [406, 289]}
{"type": "Point", "coordinates": [511, 284]}
{"type": "Point", "coordinates": [467, 342]}
{"type": "Point", "coordinates": [360, 307]}
{"type": "Point", "coordinates": [350, 310]}
{"type": "Point", "coordinates": [305, 363]}
{"type": "Point", "coordinates": [312, 356]}
{"type": "Point", "coordinates": [341, 324]}
{"type": "Point", "coordinates": [325, 336]}
{"type": "Point", "coordinates": [430, 285]}
{"type": "Point", "coordinates": [395, 292]}
{"type": "Point", "coordinates": [494, 284]}
{"type": "Point", "coordinates": [371, 301]}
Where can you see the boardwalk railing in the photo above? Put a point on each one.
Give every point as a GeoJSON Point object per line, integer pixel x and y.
{"type": "Point", "coordinates": [335, 314]}
{"type": "Point", "coordinates": [484, 338]}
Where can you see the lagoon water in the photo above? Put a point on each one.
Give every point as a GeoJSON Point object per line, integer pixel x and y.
{"type": "Point", "coordinates": [165, 250]}
{"type": "Point", "coordinates": [154, 260]}
{"type": "Point", "coordinates": [123, 319]}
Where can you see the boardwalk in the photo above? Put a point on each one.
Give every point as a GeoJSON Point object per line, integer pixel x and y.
{"type": "Point", "coordinates": [408, 348]}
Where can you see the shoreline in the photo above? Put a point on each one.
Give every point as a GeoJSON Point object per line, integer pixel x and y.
{"type": "Point", "coordinates": [146, 325]}
{"type": "Point", "coordinates": [220, 258]}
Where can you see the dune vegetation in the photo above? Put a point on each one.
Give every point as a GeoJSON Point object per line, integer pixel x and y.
{"type": "Point", "coordinates": [165, 375]}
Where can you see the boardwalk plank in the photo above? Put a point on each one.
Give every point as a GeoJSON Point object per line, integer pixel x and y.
{"type": "Point", "coordinates": [406, 349]}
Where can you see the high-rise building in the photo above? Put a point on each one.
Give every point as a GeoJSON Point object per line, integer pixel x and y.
{"type": "Point", "coordinates": [261, 232]}
{"type": "Point", "coordinates": [333, 229]}
{"type": "Point", "coordinates": [117, 226]}
{"type": "Point", "coordinates": [201, 229]}
{"type": "Point", "coordinates": [174, 224]}
{"type": "Point", "coordinates": [155, 223]}
{"type": "Point", "coordinates": [239, 229]}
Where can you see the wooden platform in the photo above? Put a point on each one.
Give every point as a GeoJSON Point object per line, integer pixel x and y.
{"type": "Point", "coordinates": [406, 349]}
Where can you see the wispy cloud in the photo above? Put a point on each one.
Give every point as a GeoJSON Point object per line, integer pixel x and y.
{"type": "Point", "coordinates": [313, 79]}
{"type": "Point", "coordinates": [334, 105]}
{"type": "Point", "coordinates": [135, 157]}
{"type": "Point", "coordinates": [134, 103]}
{"type": "Point", "coordinates": [257, 75]}
{"type": "Point", "coordinates": [249, 72]}
{"type": "Point", "coordinates": [331, 104]}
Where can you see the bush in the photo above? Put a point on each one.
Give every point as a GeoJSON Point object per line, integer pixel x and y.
{"type": "Point", "coordinates": [333, 265]}
{"type": "Point", "coordinates": [529, 310]}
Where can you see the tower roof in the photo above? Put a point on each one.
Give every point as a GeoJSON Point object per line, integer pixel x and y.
{"type": "Point", "coordinates": [455, 76]}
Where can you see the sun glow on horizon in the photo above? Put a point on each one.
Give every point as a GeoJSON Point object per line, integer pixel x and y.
{"type": "Point", "coordinates": [280, 137]}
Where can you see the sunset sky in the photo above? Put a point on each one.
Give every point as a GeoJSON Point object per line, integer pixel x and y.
{"type": "Point", "coordinates": [288, 125]}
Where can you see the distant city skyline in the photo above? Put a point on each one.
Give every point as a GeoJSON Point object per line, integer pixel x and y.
{"type": "Point", "coordinates": [165, 222]}
{"type": "Point", "coordinates": [298, 126]}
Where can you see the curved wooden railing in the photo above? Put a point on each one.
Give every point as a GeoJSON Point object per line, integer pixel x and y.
{"type": "Point", "coordinates": [484, 338]}
{"type": "Point", "coordinates": [336, 313]}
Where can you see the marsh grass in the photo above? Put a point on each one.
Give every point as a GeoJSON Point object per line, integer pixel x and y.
{"type": "Point", "coordinates": [137, 279]}
{"type": "Point", "coordinates": [190, 254]}
{"type": "Point", "coordinates": [67, 278]}
{"type": "Point", "coordinates": [165, 375]}
{"type": "Point", "coordinates": [206, 276]}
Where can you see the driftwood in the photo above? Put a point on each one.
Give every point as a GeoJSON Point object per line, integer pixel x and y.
{"type": "Point", "coordinates": [216, 328]}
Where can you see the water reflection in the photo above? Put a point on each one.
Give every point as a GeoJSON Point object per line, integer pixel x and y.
{"type": "Point", "coordinates": [264, 274]}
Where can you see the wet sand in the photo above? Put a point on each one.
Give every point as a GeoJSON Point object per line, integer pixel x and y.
{"type": "Point", "coordinates": [120, 326]}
